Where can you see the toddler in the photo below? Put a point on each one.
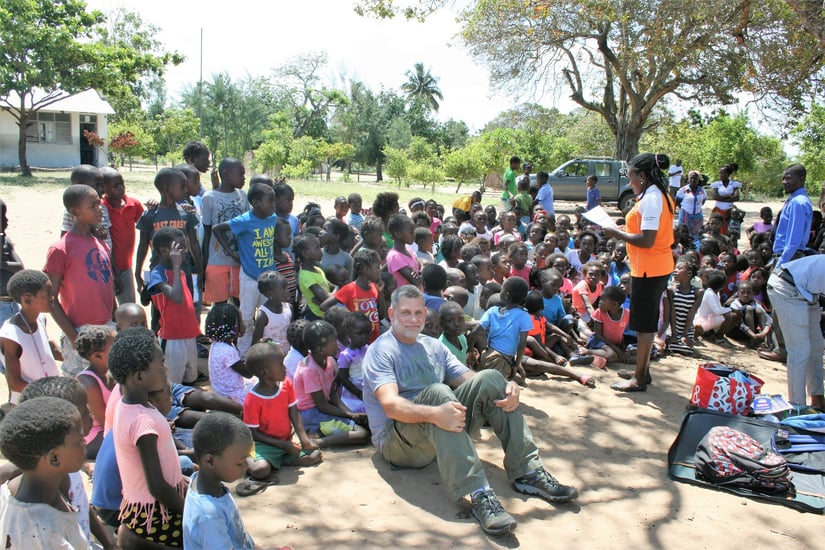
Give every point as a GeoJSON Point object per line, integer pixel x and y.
{"type": "Point", "coordinates": [274, 315]}
{"type": "Point", "coordinates": [297, 350]}
{"type": "Point", "coordinates": [93, 344]}
{"type": "Point", "coordinates": [227, 371]}
{"type": "Point", "coordinates": [400, 262]}
{"type": "Point", "coordinates": [357, 331]}
{"type": "Point", "coordinates": [712, 316]}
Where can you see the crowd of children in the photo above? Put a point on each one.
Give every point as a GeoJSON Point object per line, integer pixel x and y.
{"type": "Point", "coordinates": [294, 303]}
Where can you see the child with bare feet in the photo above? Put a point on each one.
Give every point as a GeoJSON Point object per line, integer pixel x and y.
{"type": "Point", "coordinates": [609, 323]}
{"type": "Point", "coordinates": [271, 412]}
{"type": "Point", "coordinates": [322, 411]}
{"type": "Point", "coordinates": [755, 326]}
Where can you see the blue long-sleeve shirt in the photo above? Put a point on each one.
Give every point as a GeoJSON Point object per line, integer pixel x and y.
{"type": "Point", "coordinates": [794, 226]}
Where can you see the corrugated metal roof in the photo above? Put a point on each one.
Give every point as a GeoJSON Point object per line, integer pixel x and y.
{"type": "Point", "coordinates": [88, 101]}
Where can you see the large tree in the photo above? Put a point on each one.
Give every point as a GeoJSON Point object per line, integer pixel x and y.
{"type": "Point", "coordinates": [53, 47]}
{"type": "Point", "coordinates": [621, 58]}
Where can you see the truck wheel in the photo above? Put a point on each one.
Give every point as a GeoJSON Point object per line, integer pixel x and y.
{"type": "Point", "coordinates": [626, 201]}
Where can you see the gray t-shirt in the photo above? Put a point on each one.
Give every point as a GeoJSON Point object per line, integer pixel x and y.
{"type": "Point", "coordinates": [220, 207]}
{"type": "Point", "coordinates": [412, 366]}
{"type": "Point", "coordinates": [341, 258]}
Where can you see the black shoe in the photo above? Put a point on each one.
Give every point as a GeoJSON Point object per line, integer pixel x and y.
{"type": "Point", "coordinates": [542, 484]}
{"type": "Point", "coordinates": [628, 374]}
{"type": "Point", "coordinates": [580, 360]}
{"type": "Point", "coordinates": [490, 514]}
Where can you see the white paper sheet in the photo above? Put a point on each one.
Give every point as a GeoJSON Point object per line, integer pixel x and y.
{"type": "Point", "coordinates": [599, 216]}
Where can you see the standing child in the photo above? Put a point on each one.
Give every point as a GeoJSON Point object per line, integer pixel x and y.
{"type": "Point", "coordinates": [80, 270]}
{"type": "Point", "coordinates": [86, 174]}
{"type": "Point", "coordinates": [322, 411]}
{"type": "Point", "coordinates": [683, 301]}
{"type": "Point", "coordinates": [400, 262]}
{"type": "Point", "coordinates": [27, 351]}
{"type": "Point", "coordinates": [43, 437]}
{"type": "Point", "coordinates": [283, 260]}
{"type": "Point", "coordinates": [153, 486]}
{"type": "Point", "coordinates": [274, 315]}
{"type": "Point", "coordinates": [10, 263]}
{"type": "Point", "coordinates": [361, 295]}
{"type": "Point", "coordinates": [271, 412]}
{"type": "Point", "coordinates": [355, 216]}
{"type": "Point", "coordinates": [226, 368]}
{"type": "Point", "coordinates": [173, 299]}
{"type": "Point", "coordinates": [311, 279]}
{"type": "Point", "coordinates": [501, 267]}
{"type": "Point", "coordinates": [523, 200]}
{"type": "Point", "coordinates": [284, 199]}
{"type": "Point", "coordinates": [255, 234]}
{"type": "Point", "coordinates": [211, 517]}
{"type": "Point", "coordinates": [220, 205]}
{"type": "Point", "coordinates": [341, 208]}
{"type": "Point", "coordinates": [594, 197]}
{"type": "Point", "coordinates": [124, 213]}
{"type": "Point", "coordinates": [93, 344]}
{"type": "Point", "coordinates": [424, 241]}
{"type": "Point", "coordinates": [507, 327]}
{"type": "Point", "coordinates": [372, 237]}
{"type": "Point", "coordinates": [509, 224]}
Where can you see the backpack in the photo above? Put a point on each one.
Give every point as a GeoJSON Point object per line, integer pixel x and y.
{"type": "Point", "coordinates": [729, 457]}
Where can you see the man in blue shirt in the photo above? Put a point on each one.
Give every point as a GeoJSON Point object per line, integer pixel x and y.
{"type": "Point", "coordinates": [794, 224]}
{"type": "Point", "coordinates": [794, 290]}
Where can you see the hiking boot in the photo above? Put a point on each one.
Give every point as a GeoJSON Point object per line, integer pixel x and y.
{"type": "Point", "coordinates": [542, 484]}
{"type": "Point", "coordinates": [489, 512]}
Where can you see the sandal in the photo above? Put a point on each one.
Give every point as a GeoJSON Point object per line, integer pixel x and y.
{"type": "Point", "coordinates": [250, 487]}
{"type": "Point", "coordinates": [628, 374]}
{"type": "Point", "coordinates": [627, 387]}
{"type": "Point", "coordinates": [580, 360]}
{"type": "Point", "coordinates": [588, 380]}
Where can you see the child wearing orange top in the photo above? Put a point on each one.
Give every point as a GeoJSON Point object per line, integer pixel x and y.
{"type": "Point", "coordinates": [610, 321]}
{"type": "Point", "coordinates": [587, 292]}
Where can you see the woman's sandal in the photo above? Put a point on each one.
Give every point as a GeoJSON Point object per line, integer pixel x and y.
{"type": "Point", "coordinates": [250, 487]}
{"type": "Point", "coordinates": [628, 374]}
{"type": "Point", "coordinates": [588, 380]}
{"type": "Point", "coordinates": [627, 387]}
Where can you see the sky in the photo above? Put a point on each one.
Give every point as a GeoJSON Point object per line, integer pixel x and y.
{"type": "Point", "coordinates": [248, 37]}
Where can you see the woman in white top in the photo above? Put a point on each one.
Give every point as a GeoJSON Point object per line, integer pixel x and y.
{"type": "Point", "coordinates": [690, 199]}
{"type": "Point", "coordinates": [725, 192]}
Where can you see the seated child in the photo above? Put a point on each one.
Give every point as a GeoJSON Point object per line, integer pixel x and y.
{"type": "Point", "coordinates": [587, 292]}
{"type": "Point", "coordinates": [372, 237]}
{"type": "Point", "coordinates": [162, 400]}
{"type": "Point", "coordinates": [357, 331]}
{"type": "Point", "coordinates": [271, 412]}
{"type": "Point", "coordinates": [609, 322]}
{"type": "Point", "coordinates": [451, 317]}
{"type": "Point", "coordinates": [712, 316]}
{"type": "Point", "coordinates": [27, 352]}
{"type": "Point", "coordinates": [153, 486]}
{"type": "Point", "coordinates": [93, 344]}
{"type": "Point", "coordinates": [434, 278]}
{"type": "Point", "coordinates": [432, 324]}
{"type": "Point", "coordinates": [227, 373]}
{"type": "Point", "coordinates": [538, 359]}
{"type": "Point", "coordinates": [211, 518]}
{"type": "Point", "coordinates": [755, 326]}
{"type": "Point", "coordinates": [683, 301]}
{"type": "Point", "coordinates": [43, 437]}
{"type": "Point", "coordinates": [274, 315]}
{"type": "Point", "coordinates": [507, 327]}
{"type": "Point", "coordinates": [333, 238]}
{"type": "Point", "coordinates": [311, 279]}
{"type": "Point", "coordinates": [297, 350]}
{"type": "Point", "coordinates": [401, 262]}
{"type": "Point", "coordinates": [424, 241]}
{"type": "Point", "coordinates": [519, 267]}
{"type": "Point", "coordinates": [361, 295]}
{"type": "Point", "coordinates": [322, 411]}
{"type": "Point", "coordinates": [501, 267]}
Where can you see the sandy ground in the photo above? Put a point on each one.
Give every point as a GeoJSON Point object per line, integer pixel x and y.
{"type": "Point", "coordinates": [612, 447]}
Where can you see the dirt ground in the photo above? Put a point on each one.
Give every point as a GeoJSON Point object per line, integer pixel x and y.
{"type": "Point", "coordinates": [612, 447]}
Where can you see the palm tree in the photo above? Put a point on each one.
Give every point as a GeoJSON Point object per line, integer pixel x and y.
{"type": "Point", "coordinates": [422, 86]}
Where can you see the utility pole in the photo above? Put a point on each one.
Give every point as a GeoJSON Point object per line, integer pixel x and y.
{"type": "Point", "coordinates": [200, 87]}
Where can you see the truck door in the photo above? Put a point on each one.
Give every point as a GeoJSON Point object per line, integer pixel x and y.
{"type": "Point", "coordinates": [570, 185]}
{"type": "Point", "coordinates": [608, 180]}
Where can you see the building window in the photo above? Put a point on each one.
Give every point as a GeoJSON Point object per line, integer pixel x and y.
{"type": "Point", "coordinates": [49, 128]}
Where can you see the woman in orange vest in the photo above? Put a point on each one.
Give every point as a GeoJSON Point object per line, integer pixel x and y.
{"type": "Point", "coordinates": [649, 237]}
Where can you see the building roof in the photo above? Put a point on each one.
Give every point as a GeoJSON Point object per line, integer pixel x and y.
{"type": "Point", "coordinates": [87, 101]}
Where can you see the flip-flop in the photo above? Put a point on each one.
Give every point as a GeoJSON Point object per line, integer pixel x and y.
{"type": "Point", "coordinates": [580, 360]}
{"type": "Point", "coordinates": [588, 380]}
{"type": "Point", "coordinates": [250, 487]}
{"type": "Point", "coordinates": [628, 374]}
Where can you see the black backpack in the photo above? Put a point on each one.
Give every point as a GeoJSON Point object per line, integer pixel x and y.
{"type": "Point", "coordinates": [729, 457]}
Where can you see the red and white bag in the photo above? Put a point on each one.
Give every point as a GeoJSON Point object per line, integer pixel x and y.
{"type": "Point", "coordinates": [724, 389]}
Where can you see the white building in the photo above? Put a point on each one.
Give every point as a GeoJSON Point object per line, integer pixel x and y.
{"type": "Point", "coordinates": [55, 133]}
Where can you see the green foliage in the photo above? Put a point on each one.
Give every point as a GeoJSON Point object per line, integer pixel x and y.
{"type": "Point", "coordinates": [173, 128]}
{"type": "Point", "coordinates": [421, 151]}
{"type": "Point", "coordinates": [399, 134]}
{"type": "Point", "coordinates": [811, 136]}
{"type": "Point", "coordinates": [57, 45]}
{"type": "Point", "coordinates": [397, 163]}
{"type": "Point", "coordinates": [464, 165]}
{"type": "Point", "coordinates": [426, 173]}
{"type": "Point", "coordinates": [129, 141]}
{"type": "Point", "coordinates": [422, 87]}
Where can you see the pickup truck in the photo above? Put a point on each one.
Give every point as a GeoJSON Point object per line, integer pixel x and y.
{"type": "Point", "coordinates": [569, 181]}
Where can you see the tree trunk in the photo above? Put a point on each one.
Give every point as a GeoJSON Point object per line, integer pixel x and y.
{"type": "Point", "coordinates": [627, 141]}
{"type": "Point", "coordinates": [379, 176]}
{"type": "Point", "coordinates": [25, 169]}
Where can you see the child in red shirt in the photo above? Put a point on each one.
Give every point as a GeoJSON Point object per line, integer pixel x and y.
{"type": "Point", "coordinates": [124, 212]}
{"type": "Point", "coordinates": [361, 295]}
{"type": "Point", "coordinates": [271, 412]}
{"type": "Point", "coordinates": [172, 297]}
{"type": "Point", "coordinates": [610, 322]}
{"type": "Point", "coordinates": [587, 292]}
